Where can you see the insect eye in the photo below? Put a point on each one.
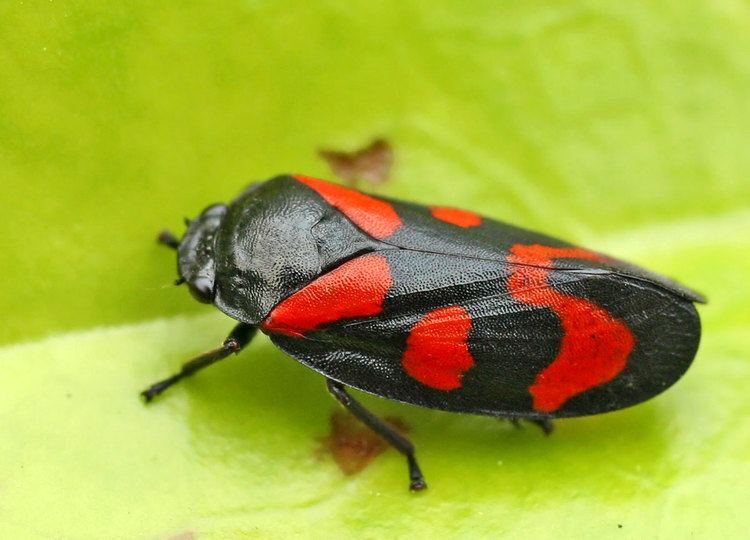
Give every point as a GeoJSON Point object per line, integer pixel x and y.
{"type": "Point", "coordinates": [202, 290]}
{"type": "Point", "coordinates": [215, 210]}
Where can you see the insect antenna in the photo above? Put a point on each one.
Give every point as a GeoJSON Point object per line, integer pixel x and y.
{"type": "Point", "coordinates": [168, 239]}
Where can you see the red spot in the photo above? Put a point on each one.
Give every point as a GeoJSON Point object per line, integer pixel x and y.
{"type": "Point", "coordinates": [454, 216]}
{"type": "Point", "coordinates": [357, 288]}
{"type": "Point", "coordinates": [437, 353]}
{"type": "Point", "coordinates": [374, 216]}
{"type": "Point", "coordinates": [595, 346]}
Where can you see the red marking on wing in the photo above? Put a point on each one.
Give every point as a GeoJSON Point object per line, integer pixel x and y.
{"type": "Point", "coordinates": [357, 288]}
{"type": "Point", "coordinates": [374, 216]}
{"type": "Point", "coordinates": [595, 346]}
{"type": "Point", "coordinates": [437, 353]}
{"type": "Point", "coordinates": [455, 216]}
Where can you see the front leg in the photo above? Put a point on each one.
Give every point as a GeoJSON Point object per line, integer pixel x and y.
{"type": "Point", "coordinates": [545, 424]}
{"type": "Point", "coordinates": [398, 441]}
{"type": "Point", "coordinates": [235, 342]}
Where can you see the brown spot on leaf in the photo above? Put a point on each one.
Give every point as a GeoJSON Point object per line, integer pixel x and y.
{"type": "Point", "coordinates": [352, 444]}
{"type": "Point", "coordinates": [187, 535]}
{"type": "Point", "coordinates": [371, 164]}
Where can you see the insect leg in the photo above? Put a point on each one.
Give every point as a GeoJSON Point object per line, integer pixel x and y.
{"type": "Point", "coordinates": [398, 441]}
{"type": "Point", "coordinates": [545, 424]}
{"type": "Point", "coordinates": [235, 342]}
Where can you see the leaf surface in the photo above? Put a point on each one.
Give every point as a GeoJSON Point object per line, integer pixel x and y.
{"type": "Point", "coordinates": [621, 126]}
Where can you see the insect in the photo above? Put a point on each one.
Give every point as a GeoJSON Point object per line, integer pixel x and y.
{"type": "Point", "coordinates": [433, 306]}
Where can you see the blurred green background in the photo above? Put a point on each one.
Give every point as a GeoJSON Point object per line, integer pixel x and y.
{"type": "Point", "coordinates": [622, 126]}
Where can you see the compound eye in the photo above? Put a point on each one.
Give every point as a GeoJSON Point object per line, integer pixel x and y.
{"type": "Point", "coordinates": [202, 290]}
{"type": "Point", "coordinates": [215, 210]}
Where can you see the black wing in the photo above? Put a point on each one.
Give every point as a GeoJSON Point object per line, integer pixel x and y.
{"type": "Point", "coordinates": [432, 295]}
{"type": "Point", "coordinates": [435, 230]}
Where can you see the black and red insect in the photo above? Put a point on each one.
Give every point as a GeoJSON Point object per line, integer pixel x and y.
{"type": "Point", "coordinates": [433, 306]}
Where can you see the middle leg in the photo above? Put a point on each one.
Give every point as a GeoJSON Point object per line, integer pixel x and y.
{"type": "Point", "coordinates": [398, 441]}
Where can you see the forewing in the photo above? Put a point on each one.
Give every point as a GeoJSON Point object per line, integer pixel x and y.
{"type": "Point", "coordinates": [452, 231]}
{"type": "Point", "coordinates": [460, 232]}
{"type": "Point", "coordinates": [452, 332]}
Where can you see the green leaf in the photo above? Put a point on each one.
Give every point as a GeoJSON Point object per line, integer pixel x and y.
{"type": "Point", "coordinates": [622, 126]}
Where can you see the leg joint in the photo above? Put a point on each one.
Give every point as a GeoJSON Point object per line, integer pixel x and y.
{"type": "Point", "coordinates": [338, 392]}
{"type": "Point", "coordinates": [232, 345]}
